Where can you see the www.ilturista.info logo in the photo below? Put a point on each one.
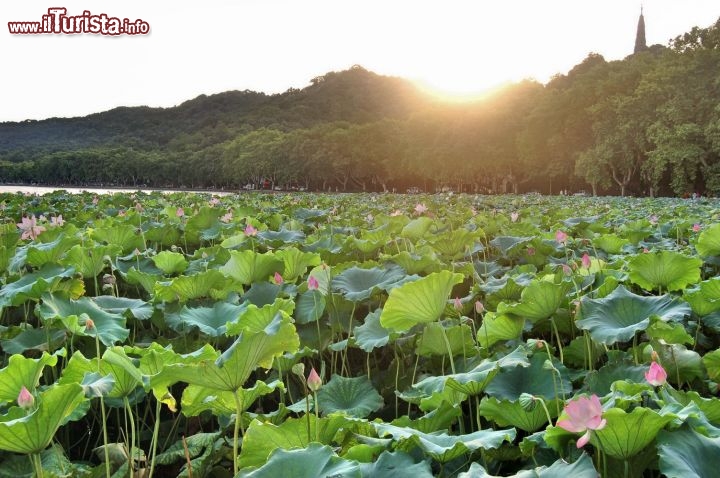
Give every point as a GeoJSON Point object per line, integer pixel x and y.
{"type": "Point", "coordinates": [58, 22]}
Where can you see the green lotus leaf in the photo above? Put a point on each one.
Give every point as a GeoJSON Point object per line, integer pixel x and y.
{"type": "Point", "coordinates": [323, 275]}
{"type": "Point", "coordinates": [283, 236]}
{"type": "Point", "coordinates": [668, 332]}
{"type": "Point", "coordinates": [685, 453]}
{"type": "Point", "coordinates": [539, 300]}
{"type": "Point", "coordinates": [711, 361]}
{"type": "Point", "coordinates": [125, 236]}
{"type": "Point", "coordinates": [679, 362]}
{"type": "Point", "coordinates": [416, 263]}
{"type": "Point", "coordinates": [310, 462]}
{"type": "Point", "coordinates": [396, 465]}
{"type": "Point", "coordinates": [581, 468]}
{"type": "Point", "coordinates": [249, 266]}
{"type": "Point", "coordinates": [264, 333]}
{"type": "Point", "coordinates": [710, 407]}
{"type": "Point", "coordinates": [454, 244]}
{"type": "Point", "coordinates": [145, 280]}
{"type": "Point", "coordinates": [296, 262]}
{"type": "Point", "coordinates": [441, 446]}
{"type": "Point", "coordinates": [418, 302]}
{"type": "Point", "coordinates": [600, 381]}
{"type": "Point", "coordinates": [488, 269]}
{"type": "Point", "coordinates": [54, 463]}
{"type": "Point", "coordinates": [432, 342]}
{"type": "Point", "coordinates": [203, 226]}
{"type": "Point", "coordinates": [209, 320]}
{"type": "Point", "coordinates": [617, 317]}
{"type": "Point", "coordinates": [310, 307]}
{"type": "Point", "coordinates": [167, 234]}
{"type": "Point", "coordinates": [369, 241]}
{"type": "Point", "coordinates": [41, 253]}
{"type": "Point", "coordinates": [496, 328]}
{"type": "Point", "coordinates": [505, 412]}
{"type": "Point", "coordinates": [537, 379]}
{"type": "Point", "coordinates": [504, 289]}
{"type": "Point", "coordinates": [626, 434]}
{"type": "Point", "coordinates": [96, 385]}
{"type": "Point", "coordinates": [124, 306]}
{"type": "Point", "coordinates": [371, 335]}
{"type": "Point", "coordinates": [357, 284]}
{"type": "Point", "coordinates": [708, 242]}
{"type": "Point", "coordinates": [262, 438]}
{"type": "Point", "coordinates": [416, 229]}
{"type": "Point", "coordinates": [664, 270]}
{"type": "Point", "coordinates": [170, 262]}
{"type": "Point", "coordinates": [196, 286]}
{"type": "Point", "coordinates": [90, 261]}
{"type": "Point", "coordinates": [33, 285]}
{"type": "Point", "coordinates": [610, 243]}
{"type": "Point", "coordinates": [505, 244]}
{"type": "Point", "coordinates": [125, 372]}
{"type": "Point", "coordinates": [355, 397]}
{"type": "Point", "coordinates": [22, 371]}
{"type": "Point", "coordinates": [44, 339]}
{"type": "Point", "coordinates": [109, 328]}
{"type": "Point", "coordinates": [440, 418]}
{"type": "Point", "coordinates": [197, 399]}
{"type": "Point", "coordinates": [155, 358]}
{"type": "Point", "coordinates": [22, 432]}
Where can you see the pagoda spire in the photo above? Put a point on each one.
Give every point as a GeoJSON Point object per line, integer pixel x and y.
{"type": "Point", "coordinates": [640, 43]}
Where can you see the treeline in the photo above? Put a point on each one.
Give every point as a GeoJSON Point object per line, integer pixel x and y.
{"type": "Point", "coordinates": [645, 125]}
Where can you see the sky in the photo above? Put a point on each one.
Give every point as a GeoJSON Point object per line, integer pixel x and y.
{"type": "Point", "coordinates": [452, 47]}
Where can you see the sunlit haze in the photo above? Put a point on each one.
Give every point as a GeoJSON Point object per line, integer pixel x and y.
{"type": "Point", "coordinates": [454, 48]}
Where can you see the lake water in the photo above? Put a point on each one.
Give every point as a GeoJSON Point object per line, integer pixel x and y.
{"type": "Point", "coordinates": [48, 189]}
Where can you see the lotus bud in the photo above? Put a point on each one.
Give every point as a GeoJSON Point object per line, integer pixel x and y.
{"type": "Point", "coordinates": [314, 381]}
{"type": "Point", "coordinates": [25, 399]}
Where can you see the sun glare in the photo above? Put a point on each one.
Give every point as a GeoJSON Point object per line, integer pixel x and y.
{"type": "Point", "coordinates": [456, 92]}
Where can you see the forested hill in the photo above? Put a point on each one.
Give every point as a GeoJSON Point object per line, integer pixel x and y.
{"type": "Point", "coordinates": [355, 95]}
{"type": "Point", "coordinates": [646, 125]}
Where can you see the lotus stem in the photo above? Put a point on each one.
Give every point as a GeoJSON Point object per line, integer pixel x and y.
{"type": "Point", "coordinates": [154, 441]}
{"type": "Point", "coordinates": [238, 428]}
{"type": "Point", "coordinates": [132, 448]}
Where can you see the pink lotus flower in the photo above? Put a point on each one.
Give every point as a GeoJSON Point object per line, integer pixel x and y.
{"type": "Point", "coordinates": [586, 261]}
{"type": "Point", "coordinates": [226, 217]}
{"type": "Point", "coordinates": [95, 200]}
{"type": "Point", "coordinates": [696, 227]}
{"type": "Point", "coordinates": [583, 415]}
{"type": "Point", "coordinates": [214, 202]}
{"type": "Point", "coordinates": [530, 251]}
{"type": "Point", "coordinates": [561, 237]}
{"type": "Point", "coordinates": [57, 221]}
{"type": "Point", "coordinates": [420, 208]}
{"type": "Point", "coordinates": [278, 278]}
{"type": "Point", "coordinates": [250, 230]}
{"type": "Point", "coordinates": [457, 303]}
{"type": "Point", "coordinates": [30, 228]}
{"type": "Point", "coordinates": [25, 399]}
{"type": "Point", "coordinates": [656, 375]}
{"type": "Point", "coordinates": [180, 212]}
{"type": "Point", "coordinates": [313, 283]}
{"type": "Point", "coordinates": [514, 216]}
{"type": "Point", "coordinates": [479, 307]}
{"type": "Point", "coordinates": [566, 270]}
{"type": "Point", "coordinates": [314, 382]}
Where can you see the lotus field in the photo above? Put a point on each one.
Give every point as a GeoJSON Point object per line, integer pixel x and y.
{"type": "Point", "coordinates": [253, 335]}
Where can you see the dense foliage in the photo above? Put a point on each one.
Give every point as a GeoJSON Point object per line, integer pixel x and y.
{"type": "Point", "coordinates": [646, 125]}
{"type": "Point", "coordinates": [358, 335]}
